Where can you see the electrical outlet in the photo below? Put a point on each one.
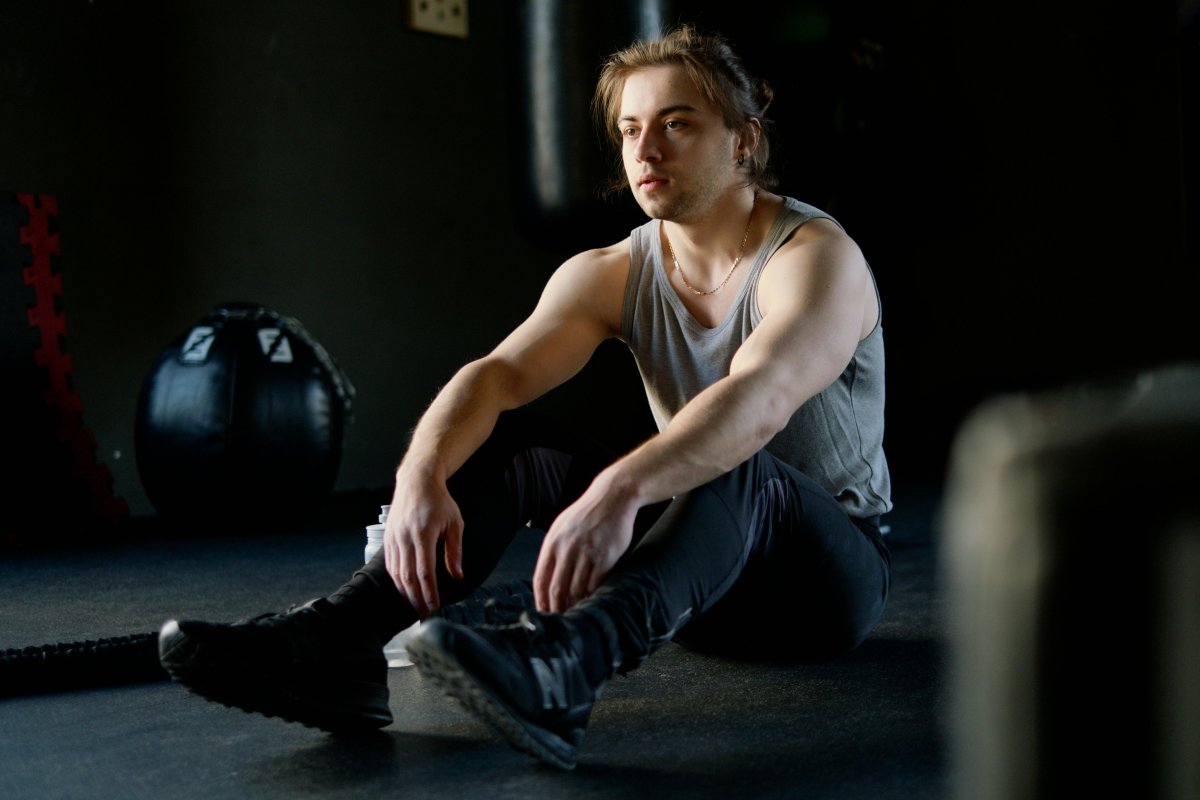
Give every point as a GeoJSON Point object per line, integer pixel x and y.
{"type": "Point", "coordinates": [445, 17]}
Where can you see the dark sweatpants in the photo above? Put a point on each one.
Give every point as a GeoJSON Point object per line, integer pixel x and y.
{"type": "Point", "coordinates": [760, 562]}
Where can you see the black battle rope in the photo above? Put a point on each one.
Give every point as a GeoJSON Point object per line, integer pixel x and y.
{"type": "Point", "coordinates": [89, 664]}
{"type": "Point", "coordinates": [122, 660]}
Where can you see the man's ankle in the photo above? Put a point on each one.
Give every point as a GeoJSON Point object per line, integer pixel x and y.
{"type": "Point", "coordinates": [364, 603]}
{"type": "Point", "coordinates": [601, 654]}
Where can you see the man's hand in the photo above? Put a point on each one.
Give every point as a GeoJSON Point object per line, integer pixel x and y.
{"type": "Point", "coordinates": [581, 547]}
{"type": "Point", "coordinates": [422, 513]}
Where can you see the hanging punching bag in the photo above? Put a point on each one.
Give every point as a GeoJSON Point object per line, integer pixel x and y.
{"type": "Point", "coordinates": [240, 419]}
{"type": "Point", "coordinates": [563, 162]}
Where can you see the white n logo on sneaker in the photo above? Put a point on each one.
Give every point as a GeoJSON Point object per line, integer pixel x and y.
{"type": "Point", "coordinates": [552, 679]}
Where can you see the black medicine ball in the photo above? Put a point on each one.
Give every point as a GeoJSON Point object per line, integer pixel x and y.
{"type": "Point", "coordinates": [241, 418]}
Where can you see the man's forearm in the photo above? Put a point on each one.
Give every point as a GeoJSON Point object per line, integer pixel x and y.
{"type": "Point", "coordinates": [720, 428]}
{"type": "Point", "coordinates": [458, 421]}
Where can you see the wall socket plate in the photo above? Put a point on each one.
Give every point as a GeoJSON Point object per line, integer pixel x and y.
{"type": "Point", "coordinates": [444, 17]}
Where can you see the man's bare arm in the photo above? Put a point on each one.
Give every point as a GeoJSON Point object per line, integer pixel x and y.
{"type": "Point", "coordinates": [578, 309]}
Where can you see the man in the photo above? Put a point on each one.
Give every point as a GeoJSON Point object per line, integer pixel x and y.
{"type": "Point", "coordinates": [748, 524]}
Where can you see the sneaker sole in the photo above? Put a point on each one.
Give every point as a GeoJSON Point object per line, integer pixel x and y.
{"type": "Point", "coordinates": [443, 670]}
{"type": "Point", "coordinates": [363, 708]}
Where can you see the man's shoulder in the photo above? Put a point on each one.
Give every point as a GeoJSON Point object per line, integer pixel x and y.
{"type": "Point", "coordinates": [798, 213]}
{"type": "Point", "coordinates": [594, 272]}
{"type": "Point", "coordinates": [803, 222]}
{"type": "Point", "coordinates": [593, 281]}
{"type": "Point", "coordinates": [810, 239]}
{"type": "Point", "coordinates": [608, 258]}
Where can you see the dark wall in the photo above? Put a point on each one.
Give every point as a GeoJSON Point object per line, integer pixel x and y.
{"type": "Point", "coordinates": [1015, 175]}
{"type": "Point", "coordinates": [318, 158]}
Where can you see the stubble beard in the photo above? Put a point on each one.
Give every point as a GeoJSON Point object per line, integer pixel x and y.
{"type": "Point", "coordinates": [684, 205]}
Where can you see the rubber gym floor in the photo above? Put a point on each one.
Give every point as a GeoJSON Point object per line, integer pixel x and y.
{"type": "Point", "coordinates": [868, 725]}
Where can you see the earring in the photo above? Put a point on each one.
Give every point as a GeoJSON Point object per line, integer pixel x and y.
{"type": "Point", "coordinates": [741, 159]}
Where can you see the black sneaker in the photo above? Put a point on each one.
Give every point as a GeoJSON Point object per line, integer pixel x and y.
{"type": "Point", "coordinates": [524, 680]}
{"type": "Point", "coordinates": [298, 666]}
{"type": "Point", "coordinates": [500, 603]}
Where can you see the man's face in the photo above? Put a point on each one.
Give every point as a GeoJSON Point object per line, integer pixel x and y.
{"type": "Point", "coordinates": [678, 154]}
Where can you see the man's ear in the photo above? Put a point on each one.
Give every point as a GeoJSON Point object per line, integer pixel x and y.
{"type": "Point", "coordinates": [751, 135]}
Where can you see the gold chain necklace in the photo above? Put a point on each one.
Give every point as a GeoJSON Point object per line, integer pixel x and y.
{"type": "Point", "coordinates": [732, 267]}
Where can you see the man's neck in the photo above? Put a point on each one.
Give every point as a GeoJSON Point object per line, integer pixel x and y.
{"type": "Point", "coordinates": [708, 244]}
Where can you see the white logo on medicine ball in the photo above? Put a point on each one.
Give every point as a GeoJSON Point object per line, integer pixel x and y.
{"type": "Point", "coordinates": [199, 342]}
{"type": "Point", "coordinates": [275, 345]}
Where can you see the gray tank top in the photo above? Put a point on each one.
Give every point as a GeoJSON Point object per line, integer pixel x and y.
{"type": "Point", "coordinates": [836, 438]}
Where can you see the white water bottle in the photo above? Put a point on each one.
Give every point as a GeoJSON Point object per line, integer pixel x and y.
{"type": "Point", "coordinates": [394, 650]}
